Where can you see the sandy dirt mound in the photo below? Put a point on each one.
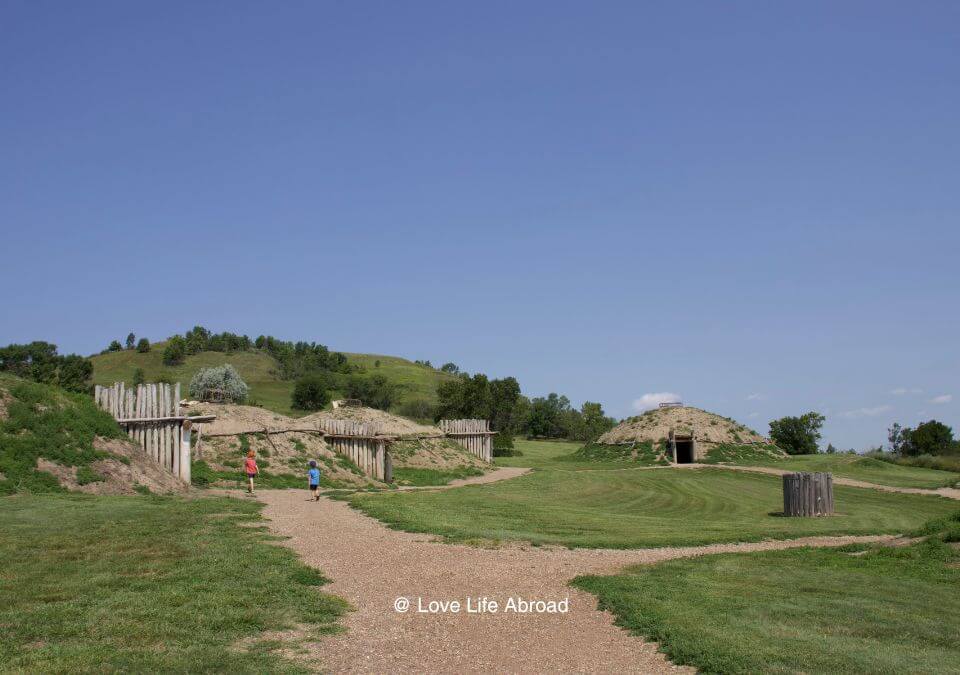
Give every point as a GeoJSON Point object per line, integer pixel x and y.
{"type": "Point", "coordinates": [433, 453]}
{"type": "Point", "coordinates": [244, 419]}
{"type": "Point", "coordinates": [708, 428]}
{"type": "Point", "coordinates": [119, 477]}
{"type": "Point", "coordinates": [390, 425]}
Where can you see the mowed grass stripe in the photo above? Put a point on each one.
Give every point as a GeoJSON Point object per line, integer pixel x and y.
{"type": "Point", "coordinates": [635, 509]}
{"type": "Point", "coordinates": [867, 469]}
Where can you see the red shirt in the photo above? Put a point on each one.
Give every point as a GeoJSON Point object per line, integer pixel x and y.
{"type": "Point", "coordinates": [251, 465]}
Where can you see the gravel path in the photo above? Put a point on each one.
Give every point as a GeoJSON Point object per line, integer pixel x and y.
{"type": "Point", "coordinates": [950, 493]}
{"type": "Point", "coordinates": [371, 566]}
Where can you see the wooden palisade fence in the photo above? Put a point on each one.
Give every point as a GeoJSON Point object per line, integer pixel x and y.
{"type": "Point", "coordinates": [151, 416]}
{"type": "Point", "coordinates": [474, 435]}
{"type": "Point", "coordinates": [807, 494]}
{"type": "Point", "coordinates": [362, 444]}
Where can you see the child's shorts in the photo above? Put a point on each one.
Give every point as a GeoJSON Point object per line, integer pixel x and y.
{"type": "Point", "coordinates": [251, 475]}
{"type": "Point", "coordinates": [314, 487]}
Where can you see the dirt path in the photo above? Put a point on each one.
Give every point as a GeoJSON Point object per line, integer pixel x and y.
{"type": "Point", "coordinates": [371, 566]}
{"type": "Point", "coordinates": [950, 493]}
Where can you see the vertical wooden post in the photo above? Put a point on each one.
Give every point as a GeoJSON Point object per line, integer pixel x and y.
{"type": "Point", "coordinates": [184, 468]}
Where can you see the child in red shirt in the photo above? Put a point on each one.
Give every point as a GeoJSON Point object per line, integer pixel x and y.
{"type": "Point", "coordinates": [250, 466]}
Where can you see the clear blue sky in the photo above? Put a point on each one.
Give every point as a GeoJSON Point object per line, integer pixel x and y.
{"type": "Point", "coordinates": [753, 205]}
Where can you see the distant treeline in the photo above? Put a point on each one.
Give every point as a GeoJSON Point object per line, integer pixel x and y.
{"type": "Point", "coordinates": [294, 359]}
{"type": "Point", "coordinates": [512, 413]}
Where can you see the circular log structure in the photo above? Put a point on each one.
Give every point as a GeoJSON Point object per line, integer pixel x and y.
{"type": "Point", "coordinates": [807, 494]}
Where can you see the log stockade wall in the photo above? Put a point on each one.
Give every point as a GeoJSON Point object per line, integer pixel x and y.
{"type": "Point", "coordinates": [807, 494]}
{"type": "Point", "coordinates": [474, 435]}
{"type": "Point", "coordinates": [150, 413]}
{"type": "Point", "coordinates": [362, 444]}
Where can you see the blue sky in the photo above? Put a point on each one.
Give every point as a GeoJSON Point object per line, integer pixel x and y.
{"type": "Point", "coordinates": [752, 205]}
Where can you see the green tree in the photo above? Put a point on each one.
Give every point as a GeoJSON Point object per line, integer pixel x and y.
{"type": "Point", "coordinates": [143, 346]}
{"type": "Point", "coordinates": [74, 373]}
{"type": "Point", "coordinates": [115, 346]}
{"type": "Point", "coordinates": [375, 391]}
{"type": "Point", "coordinates": [929, 438]}
{"type": "Point", "coordinates": [311, 392]}
{"type": "Point", "coordinates": [39, 361]}
{"type": "Point", "coordinates": [131, 340]}
{"type": "Point", "coordinates": [545, 416]}
{"type": "Point", "coordinates": [138, 377]}
{"type": "Point", "coordinates": [797, 435]}
{"type": "Point", "coordinates": [175, 351]}
{"type": "Point", "coordinates": [449, 367]}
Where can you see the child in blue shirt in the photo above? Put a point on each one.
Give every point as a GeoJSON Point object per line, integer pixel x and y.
{"type": "Point", "coordinates": [314, 477]}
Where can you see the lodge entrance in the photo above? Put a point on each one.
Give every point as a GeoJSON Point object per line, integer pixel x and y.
{"type": "Point", "coordinates": [683, 449]}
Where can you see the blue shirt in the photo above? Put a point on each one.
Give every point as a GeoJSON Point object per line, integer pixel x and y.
{"type": "Point", "coordinates": [314, 476]}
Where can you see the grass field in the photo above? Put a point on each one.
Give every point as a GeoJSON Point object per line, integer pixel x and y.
{"type": "Point", "coordinates": [863, 468]}
{"type": "Point", "coordinates": [887, 610]}
{"type": "Point", "coordinates": [578, 505]}
{"type": "Point", "coordinates": [257, 370]}
{"type": "Point", "coordinates": [148, 584]}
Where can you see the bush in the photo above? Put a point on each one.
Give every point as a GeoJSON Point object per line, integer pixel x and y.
{"type": "Point", "coordinates": [143, 346]}
{"type": "Point", "coordinates": [219, 384]}
{"type": "Point", "coordinates": [175, 351]}
{"type": "Point", "coordinates": [39, 361]}
{"type": "Point", "coordinates": [138, 377]}
{"type": "Point", "coordinates": [115, 346]}
{"type": "Point", "coordinates": [311, 392]}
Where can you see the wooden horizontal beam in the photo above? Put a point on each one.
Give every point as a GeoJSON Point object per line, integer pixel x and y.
{"type": "Point", "coordinates": [178, 418]}
{"type": "Point", "coordinates": [472, 433]}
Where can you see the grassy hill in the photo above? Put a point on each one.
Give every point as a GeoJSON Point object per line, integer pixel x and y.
{"type": "Point", "coordinates": [258, 370]}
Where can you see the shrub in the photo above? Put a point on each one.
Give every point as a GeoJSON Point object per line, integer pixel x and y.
{"type": "Point", "coordinates": [138, 377]}
{"type": "Point", "coordinates": [143, 346]}
{"type": "Point", "coordinates": [175, 351]}
{"type": "Point", "coordinates": [115, 346]}
{"type": "Point", "coordinates": [502, 443]}
{"type": "Point", "coordinates": [311, 392]}
{"type": "Point", "coordinates": [418, 409]}
{"type": "Point", "coordinates": [219, 384]}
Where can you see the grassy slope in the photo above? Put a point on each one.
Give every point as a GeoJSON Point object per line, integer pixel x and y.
{"type": "Point", "coordinates": [578, 505]}
{"type": "Point", "coordinates": [256, 368]}
{"type": "Point", "coordinates": [147, 584]}
{"type": "Point", "coordinates": [862, 468]}
{"type": "Point", "coordinates": [47, 422]}
{"type": "Point", "coordinates": [890, 610]}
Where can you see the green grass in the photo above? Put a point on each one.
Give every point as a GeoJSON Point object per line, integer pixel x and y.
{"type": "Point", "coordinates": [559, 455]}
{"type": "Point", "coordinates": [860, 468]}
{"type": "Point", "coordinates": [632, 454]}
{"type": "Point", "coordinates": [257, 370]}
{"type": "Point", "coordinates": [415, 381]}
{"type": "Point", "coordinates": [888, 610]}
{"type": "Point", "coordinates": [44, 421]}
{"type": "Point", "coordinates": [148, 584]}
{"type": "Point", "coordinates": [419, 476]}
{"type": "Point", "coordinates": [634, 508]}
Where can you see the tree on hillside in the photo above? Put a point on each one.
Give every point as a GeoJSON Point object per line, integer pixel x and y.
{"type": "Point", "coordinates": [452, 368]}
{"type": "Point", "coordinates": [131, 340]}
{"type": "Point", "coordinates": [143, 346]}
{"type": "Point", "coordinates": [311, 392]}
{"type": "Point", "coordinates": [39, 361]}
{"type": "Point", "coordinates": [797, 435]}
{"type": "Point", "coordinates": [138, 377]}
{"type": "Point", "coordinates": [175, 351]}
{"type": "Point", "coordinates": [590, 422]}
{"type": "Point", "coordinates": [115, 346]}
{"type": "Point", "coordinates": [375, 391]}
